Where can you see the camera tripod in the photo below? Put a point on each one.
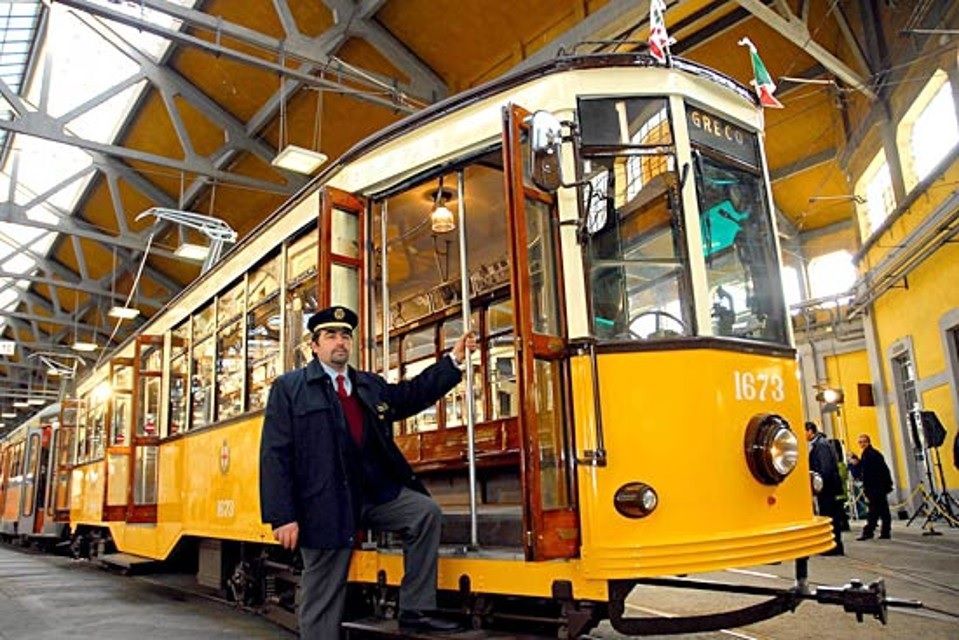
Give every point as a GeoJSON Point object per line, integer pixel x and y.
{"type": "Point", "coordinates": [935, 505]}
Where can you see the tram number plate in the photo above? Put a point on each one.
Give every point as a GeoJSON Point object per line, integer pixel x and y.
{"type": "Point", "coordinates": [225, 508]}
{"type": "Point", "coordinates": [759, 386]}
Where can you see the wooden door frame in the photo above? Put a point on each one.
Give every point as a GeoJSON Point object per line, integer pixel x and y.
{"type": "Point", "coordinates": [550, 533]}
{"type": "Point", "coordinates": [143, 513]}
{"type": "Point", "coordinates": [117, 511]}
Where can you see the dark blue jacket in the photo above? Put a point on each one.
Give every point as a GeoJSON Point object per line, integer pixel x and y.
{"type": "Point", "coordinates": [305, 445]}
{"type": "Point", "coordinates": [876, 478]}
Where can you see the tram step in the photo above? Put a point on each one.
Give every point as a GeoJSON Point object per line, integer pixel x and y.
{"type": "Point", "coordinates": [496, 527]}
{"type": "Point", "coordinates": [127, 562]}
{"type": "Point", "coordinates": [373, 628]}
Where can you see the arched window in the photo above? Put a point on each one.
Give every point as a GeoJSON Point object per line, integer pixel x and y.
{"type": "Point", "coordinates": [876, 197]}
{"type": "Point", "coordinates": [831, 274]}
{"type": "Point", "coordinates": [928, 131]}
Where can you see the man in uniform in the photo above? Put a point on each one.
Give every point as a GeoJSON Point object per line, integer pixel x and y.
{"type": "Point", "coordinates": [329, 466]}
{"type": "Point", "coordinates": [876, 483]}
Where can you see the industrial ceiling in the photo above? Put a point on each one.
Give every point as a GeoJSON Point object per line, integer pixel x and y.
{"type": "Point", "coordinates": [189, 103]}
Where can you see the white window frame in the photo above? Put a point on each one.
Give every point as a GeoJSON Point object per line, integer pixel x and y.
{"type": "Point", "coordinates": [904, 131]}
{"type": "Point", "coordinates": [868, 203]}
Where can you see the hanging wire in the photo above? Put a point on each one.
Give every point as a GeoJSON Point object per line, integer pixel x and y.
{"type": "Point", "coordinates": [136, 283]}
{"type": "Point", "coordinates": [317, 124]}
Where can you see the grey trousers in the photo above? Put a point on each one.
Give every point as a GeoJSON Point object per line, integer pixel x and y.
{"type": "Point", "coordinates": [417, 518]}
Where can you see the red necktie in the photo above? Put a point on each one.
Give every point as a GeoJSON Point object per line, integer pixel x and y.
{"type": "Point", "coordinates": [351, 410]}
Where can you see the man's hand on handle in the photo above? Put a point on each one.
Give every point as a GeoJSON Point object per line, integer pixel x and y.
{"type": "Point", "coordinates": [287, 535]}
{"type": "Point", "coordinates": [466, 341]}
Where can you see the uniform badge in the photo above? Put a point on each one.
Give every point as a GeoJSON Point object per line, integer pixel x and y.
{"type": "Point", "coordinates": [338, 313]}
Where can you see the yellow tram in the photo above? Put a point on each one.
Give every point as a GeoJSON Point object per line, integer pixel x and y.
{"type": "Point", "coordinates": [604, 223]}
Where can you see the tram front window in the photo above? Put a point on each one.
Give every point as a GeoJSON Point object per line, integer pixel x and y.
{"type": "Point", "coordinates": [742, 272]}
{"type": "Point", "coordinates": [639, 283]}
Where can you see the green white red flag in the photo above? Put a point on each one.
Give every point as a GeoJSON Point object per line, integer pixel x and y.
{"type": "Point", "coordinates": [765, 87]}
{"type": "Point", "coordinates": [659, 40]}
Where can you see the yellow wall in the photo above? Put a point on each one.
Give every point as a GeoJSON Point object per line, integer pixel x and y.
{"type": "Point", "coordinates": [847, 371]}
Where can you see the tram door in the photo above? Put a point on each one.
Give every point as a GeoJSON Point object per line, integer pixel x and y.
{"type": "Point", "coordinates": [63, 452]}
{"type": "Point", "coordinates": [550, 517]}
{"type": "Point", "coordinates": [31, 478]}
{"type": "Point", "coordinates": [145, 449]}
{"type": "Point", "coordinates": [119, 408]}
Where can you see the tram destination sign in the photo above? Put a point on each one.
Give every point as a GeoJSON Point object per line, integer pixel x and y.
{"type": "Point", "coordinates": [7, 347]}
{"type": "Point", "coordinates": [716, 133]}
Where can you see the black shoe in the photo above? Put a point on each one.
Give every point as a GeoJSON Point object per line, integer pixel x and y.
{"type": "Point", "coordinates": [837, 551]}
{"type": "Point", "coordinates": [418, 621]}
{"type": "Point", "coordinates": [865, 537]}
{"type": "Point", "coordinates": [885, 536]}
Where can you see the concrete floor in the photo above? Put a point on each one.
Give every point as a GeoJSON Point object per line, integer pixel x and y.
{"type": "Point", "coordinates": [47, 597]}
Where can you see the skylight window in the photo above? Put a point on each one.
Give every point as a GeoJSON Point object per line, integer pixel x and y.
{"type": "Point", "coordinates": [831, 274]}
{"type": "Point", "coordinates": [934, 133]}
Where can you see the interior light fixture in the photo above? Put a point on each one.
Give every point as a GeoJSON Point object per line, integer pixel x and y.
{"type": "Point", "coordinates": [441, 218]}
{"type": "Point", "coordinates": [8, 414]}
{"type": "Point", "coordinates": [53, 371]}
{"type": "Point", "coordinates": [20, 404]}
{"type": "Point", "coordinates": [298, 159]}
{"type": "Point", "coordinates": [192, 251]}
{"type": "Point", "coordinates": [37, 402]}
{"type": "Point", "coordinates": [80, 345]}
{"type": "Point", "coordinates": [123, 313]}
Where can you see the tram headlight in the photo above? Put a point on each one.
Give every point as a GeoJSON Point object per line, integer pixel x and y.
{"type": "Point", "coordinates": [635, 500]}
{"type": "Point", "coordinates": [772, 449]}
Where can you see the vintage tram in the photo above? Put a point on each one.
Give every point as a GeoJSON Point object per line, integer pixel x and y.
{"type": "Point", "coordinates": [605, 224]}
{"type": "Point", "coordinates": [34, 479]}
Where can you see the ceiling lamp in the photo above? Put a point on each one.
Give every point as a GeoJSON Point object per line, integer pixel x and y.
{"type": "Point", "coordinates": [37, 402]}
{"type": "Point", "coordinates": [192, 251]}
{"type": "Point", "coordinates": [8, 414]}
{"type": "Point", "coordinates": [441, 218]}
{"type": "Point", "coordinates": [123, 313]}
{"type": "Point", "coordinates": [298, 159]}
{"type": "Point", "coordinates": [80, 345]}
{"type": "Point", "coordinates": [20, 404]}
{"type": "Point", "coordinates": [295, 158]}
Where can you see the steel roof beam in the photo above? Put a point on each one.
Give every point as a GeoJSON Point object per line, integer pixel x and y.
{"type": "Point", "coordinates": [63, 321]}
{"type": "Point", "coordinates": [83, 287]}
{"type": "Point", "coordinates": [368, 94]}
{"type": "Point", "coordinates": [796, 31]}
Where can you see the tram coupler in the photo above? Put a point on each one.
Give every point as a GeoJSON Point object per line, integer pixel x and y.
{"type": "Point", "coordinates": [860, 600]}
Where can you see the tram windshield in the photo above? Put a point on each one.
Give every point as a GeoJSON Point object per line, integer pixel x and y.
{"type": "Point", "coordinates": [739, 245]}
{"type": "Point", "coordinates": [640, 279]}
{"type": "Point", "coordinates": [639, 276]}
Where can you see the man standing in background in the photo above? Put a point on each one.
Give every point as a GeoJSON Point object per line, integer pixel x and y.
{"type": "Point", "coordinates": [823, 461]}
{"type": "Point", "coordinates": [876, 483]}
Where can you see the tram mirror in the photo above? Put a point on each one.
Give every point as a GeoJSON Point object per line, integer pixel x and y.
{"type": "Point", "coordinates": [546, 140]}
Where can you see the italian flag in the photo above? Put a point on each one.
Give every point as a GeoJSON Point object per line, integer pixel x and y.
{"type": "Point", "coordinates": [765, 87]}
{"type": "Point", "coordinates": [659, 39]}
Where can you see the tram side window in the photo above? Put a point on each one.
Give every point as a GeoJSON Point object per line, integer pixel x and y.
{"type": "Point", "coordinates": [418, 352]}
{"type": "Point", "coordinates": [201, 379]}
{"type": "Point", "coordinates": [742, 267]}
{"type": "Point", "coordinates": [263, 333]}
{"type": "Point", "coordinates": [454, 403]}
{"type": "Point", "coordinates": [639, 272]}
{"type": "Point", "coordinates": [151, 374]}
{"type": "Point", "coordinates": [30, 474]}
{"type": "Point", "coordinates": [500, 350]}
{"type": "Point", "coordinates": [302, 298]}
{"type": "Point", "coordinates": [179, 377]}
{"type": "Point", "coordinates": [229, 352]}
{"type": "Point", "coordinates": [122, 405]}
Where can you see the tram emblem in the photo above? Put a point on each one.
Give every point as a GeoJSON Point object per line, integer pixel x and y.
{"type": "Point", "coordinates": [224, 457]}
